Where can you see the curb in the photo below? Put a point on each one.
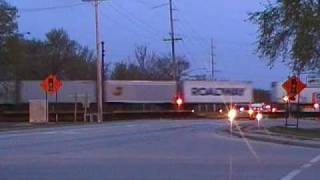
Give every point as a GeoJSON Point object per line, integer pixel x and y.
{"type": "Point", "coordinates": [300, 143]}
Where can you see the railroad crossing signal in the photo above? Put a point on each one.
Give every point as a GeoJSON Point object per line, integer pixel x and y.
{"type": "Point", "coordinates": [51, 84]}
{"type": "Point", "coordinates": [179, 101]}
{"type": "Point", "coordinates": [293, 87]}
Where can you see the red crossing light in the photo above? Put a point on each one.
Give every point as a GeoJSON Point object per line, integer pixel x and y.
{"type": "Point", "coordinates": [292, 98]}
{"type": "Point", "coordinates": [179, 101]}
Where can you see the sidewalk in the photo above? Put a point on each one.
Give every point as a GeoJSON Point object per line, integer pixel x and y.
{"type": "Point", "coordinates": [250, 130]}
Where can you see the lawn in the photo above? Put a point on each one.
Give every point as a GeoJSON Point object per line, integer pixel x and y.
{"type": "Point", "coordinates": [306, 133]}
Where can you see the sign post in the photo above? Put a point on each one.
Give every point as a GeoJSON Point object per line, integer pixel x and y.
{"type": "Point", "coordinates": [51, 85]}
{"type": "Point", "coordinates": [293, 87]}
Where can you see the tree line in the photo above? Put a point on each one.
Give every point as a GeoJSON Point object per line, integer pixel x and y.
{"type": "Point", "coordinates": [22, 58]}
{"type": "Point", "coordinates": [288, 30]}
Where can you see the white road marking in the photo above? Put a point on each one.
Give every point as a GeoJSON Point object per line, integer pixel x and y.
{"type": "Point", "coordinates": [58, 132]}
{"type": "Point", "coordinates": [306, 166]}
{"type": "Point", "coordinates": [296, 172]}
{"type": "Point", "coordinates": [315, 160]}
{"type": "Point", "coordinates": [291, 175]}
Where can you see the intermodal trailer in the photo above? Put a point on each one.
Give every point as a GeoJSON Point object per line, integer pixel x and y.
{"type": "Point", "coordinates": [216, 95]}
{"type": "Point", "coordinates": [115, 91]}
{"type": "Point", "coordinates": [140, 91]}
{"type": "Point", "coordinates": [140, 95]}
{"type": "Point", "coordinates": [70, 92]}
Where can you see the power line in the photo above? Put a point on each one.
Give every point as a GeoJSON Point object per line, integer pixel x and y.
{"type": "Point", "coordinates": [194, 41]}
{"type": "Point", "coordinates": [50, 8]}
{"type": "Point", "coordinates": [186, 50]}
{"type": "Point", "coordinates": [136, 23]}
{"type": "Point", "coordinates": [199, 37]}
{"type": "Point", "coordinates": [184, 44]}
{"type": "Point", "coordinates": [135, 20]}
{"type": "Point", "coordinates": [184, 47]}
{"type": "Point", "coordinates": [142, 2]}
{"type": "Point", "coordinates": [191, 42]}
{"type": "Point", "coordinates": [185, 35]}
{"type": "Point", "coordinates": [160, 5]}
{"type": "Point", "coordinates": [124, 27]}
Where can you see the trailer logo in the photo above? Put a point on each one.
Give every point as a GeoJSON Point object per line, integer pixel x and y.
{"type": "Point", "coordinates": [117, 91]}
{"type": "Point", "coordinates": [217, 91]}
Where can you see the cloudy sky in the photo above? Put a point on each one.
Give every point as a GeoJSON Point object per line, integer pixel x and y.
{"type": "Point", "coordinates": [128, 23]}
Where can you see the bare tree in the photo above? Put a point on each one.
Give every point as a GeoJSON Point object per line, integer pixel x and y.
{"type": "Point", "coordinates": [149, 66]}
{"type": "Point", "coordinates": [141, 53]}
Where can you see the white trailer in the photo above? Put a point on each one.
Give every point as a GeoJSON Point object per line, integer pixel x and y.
{"type": "Point", "coordinates": [70, 92]}
{"type": "Point", "coordinates": [7, 92]}
{"type": "Point", "coordinates": [115, 92]}
{"type": "Point", "coordinates": [140, 91]}
{"type": "Point", "coordinates": [217, 92]}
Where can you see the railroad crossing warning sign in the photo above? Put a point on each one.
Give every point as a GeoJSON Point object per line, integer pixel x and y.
{"type": "Point", "coordinates": [51, 84]}
{"type": "Point", "coordinates": [293, 87]}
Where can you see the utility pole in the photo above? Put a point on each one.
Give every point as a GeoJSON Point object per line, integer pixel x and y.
{"type": "Point", "coordinates": [103, 70]}
{"type": "Point", "coordinates": [173, 39]}
{"type": "Point", "coordinates": [173, 50]}
{"type": "Point", "coordinates": [99, 62]}
{"type": "Point", "coordinates": [212, 61]}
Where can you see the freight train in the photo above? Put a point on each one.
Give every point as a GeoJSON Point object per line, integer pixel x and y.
{"type": "Point", "coordinates": [136, 95]}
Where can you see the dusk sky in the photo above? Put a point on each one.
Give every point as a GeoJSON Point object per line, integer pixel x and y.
{"type": "Point", "coordinates": [128, 23]}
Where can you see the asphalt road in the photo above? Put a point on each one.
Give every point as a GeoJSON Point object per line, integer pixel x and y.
{"type": "Point", "coordinates": [140, 150]}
